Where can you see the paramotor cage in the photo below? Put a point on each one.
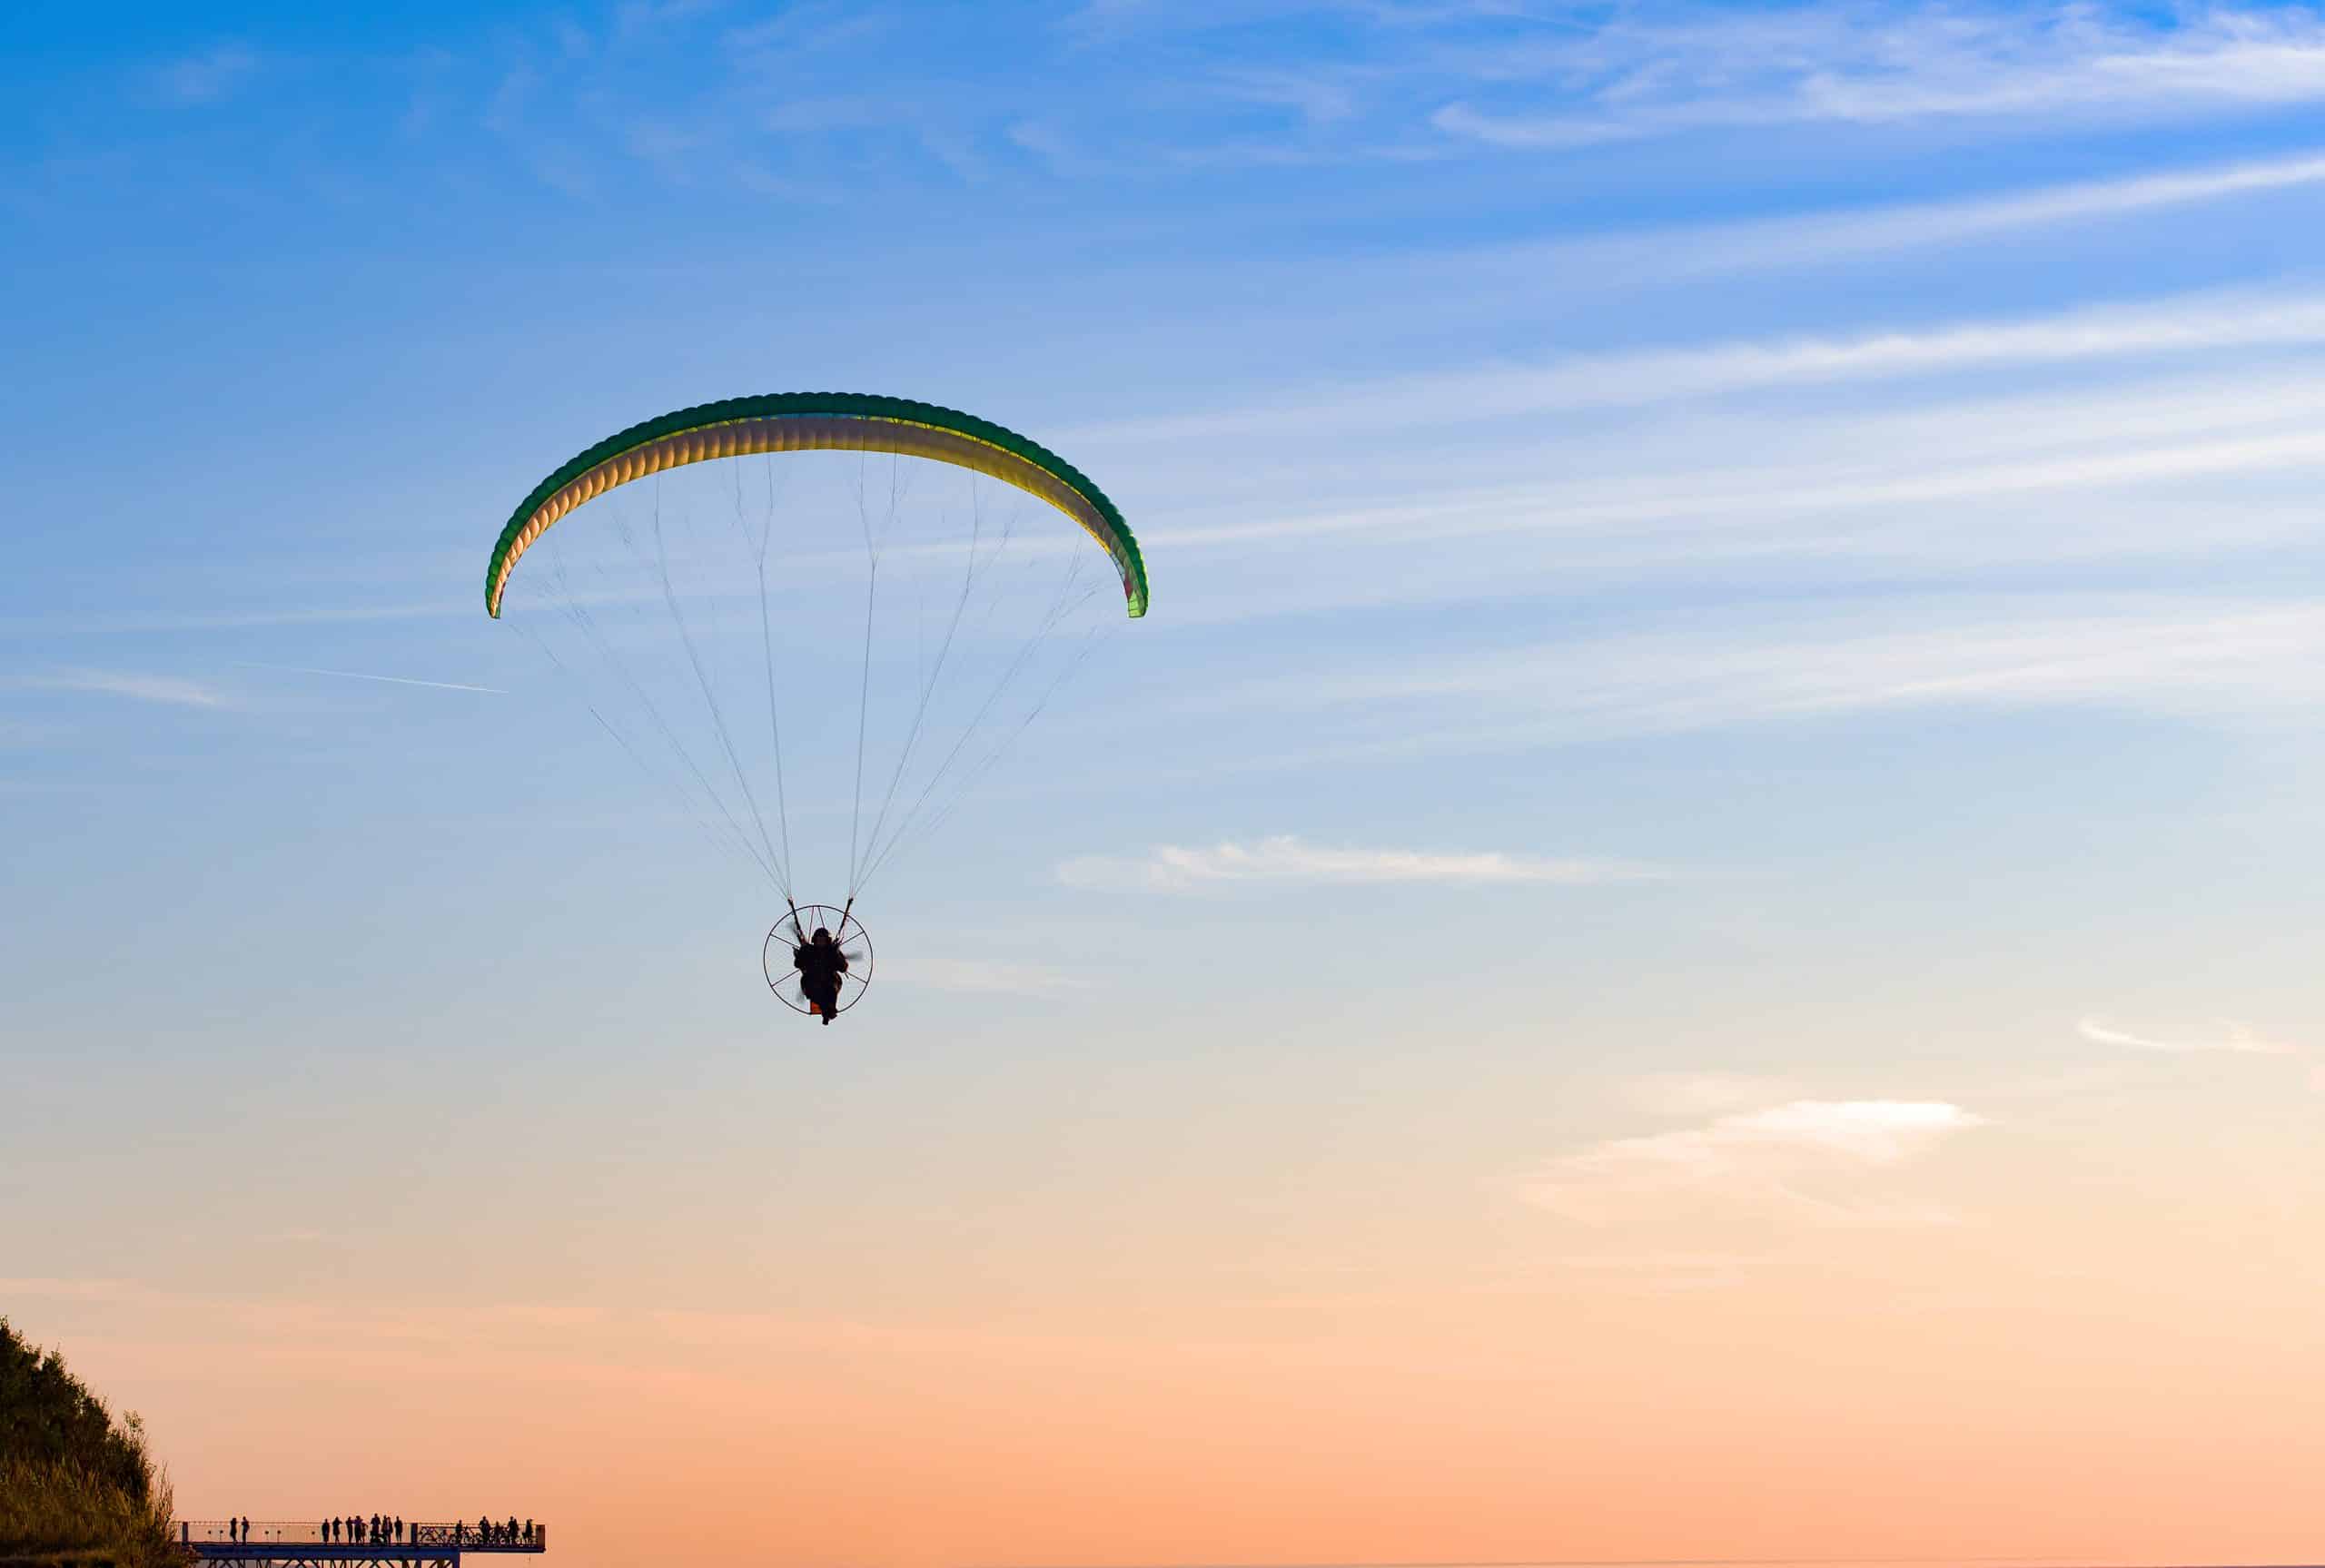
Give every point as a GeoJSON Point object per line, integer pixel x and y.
{"type": "Point", "coordinates": [792, 932]}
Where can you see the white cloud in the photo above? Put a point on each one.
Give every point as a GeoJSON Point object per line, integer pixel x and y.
{"type": "Point", "coordinates": [1811, 238]}
{"type": "Point", "coordinates": [53, 1288]}
{"type": "Point", "coordinates": [975, 975]}
{"type": "Point", "coordinates": [778, 42]}
{"type": "Point", "coordinates": [2185, 324]}
{"type": "Point", "coordinates": [209, 75]}
{"type": "Point", "coordinates": [1698, 1093]}
{"type": "Point", "coordinates": [147, 688]}
{"type": "Point", "coordinates": [2236, 1038]}
{"type": "Point", "coordinates": [1874, 1131]}
{"type": "Point", "coordinates": [957, 152]}
{"type": "Point", "coordinates": [361, 675]}
{"type": "Point", "coordinates": [2211, 468]}
{"type": "Point", "coordinates": [1316, 97]}
{"type": "Point", "coordinates": [1767, 1160]}
{"type": "Point", "coordinates": [1285, 859]}
{"type": "Point", "coordinates": [1653, 72]}
{"type": "Point", "coordinates": [2204, 462]}
{"type": "Point", "coordinates": [1665, 1273]}
{"type": "Point", "coordinates": [2206, 661]}
{"type": "Point", "coordinates": [1047, 143]}
{"type": "Point", "coordinates": [18, 735]}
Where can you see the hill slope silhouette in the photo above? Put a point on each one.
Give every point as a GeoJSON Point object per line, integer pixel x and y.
{"type": "Point", "coordinates": [77, 1487]}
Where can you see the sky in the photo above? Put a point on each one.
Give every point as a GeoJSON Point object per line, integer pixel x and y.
{"type": "Point", "coordinates": [1690, 931]}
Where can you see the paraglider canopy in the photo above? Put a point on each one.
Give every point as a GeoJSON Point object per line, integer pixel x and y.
{"type": "Point", "coordinates": [818, 421]}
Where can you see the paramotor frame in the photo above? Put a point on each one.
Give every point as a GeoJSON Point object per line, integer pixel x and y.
{"type": "Point", "coordinates": [793, 930]}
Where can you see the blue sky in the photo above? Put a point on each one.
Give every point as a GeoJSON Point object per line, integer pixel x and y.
{"type": "Point", "coordinates": [1782, 538]}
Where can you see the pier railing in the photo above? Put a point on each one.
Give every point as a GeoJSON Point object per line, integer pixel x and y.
{"type": "Point", "coordinates": [467, 1534]}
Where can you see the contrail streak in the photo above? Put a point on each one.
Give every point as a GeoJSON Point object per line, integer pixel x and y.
{"type": "Point", "coordinates": [359, 676]}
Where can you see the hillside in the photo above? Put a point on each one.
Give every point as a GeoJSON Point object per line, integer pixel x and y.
{"type": "Point", "coordinates": [76, 1487]}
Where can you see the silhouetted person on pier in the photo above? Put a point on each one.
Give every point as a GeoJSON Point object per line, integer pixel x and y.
{"type": "Point", "coordinates": [399, 1528]}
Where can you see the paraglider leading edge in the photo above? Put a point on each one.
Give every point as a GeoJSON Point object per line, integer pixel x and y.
{"type": "Point", "coordinates": [829, 422]}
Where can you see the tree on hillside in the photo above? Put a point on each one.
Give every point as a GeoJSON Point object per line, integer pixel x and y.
{"type": "Point", "coordinates": [74, 1482]}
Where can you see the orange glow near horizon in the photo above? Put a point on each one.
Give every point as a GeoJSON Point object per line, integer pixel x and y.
{"type": "Point", "coordinates": [2034, 1381]}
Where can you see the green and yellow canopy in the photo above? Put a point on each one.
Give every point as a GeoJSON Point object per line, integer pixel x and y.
{"type": "Point", "coordinates": [818, 422]}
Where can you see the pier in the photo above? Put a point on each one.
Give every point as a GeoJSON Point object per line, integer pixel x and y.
{"type": "Point", "coordinates": [303, 1542]}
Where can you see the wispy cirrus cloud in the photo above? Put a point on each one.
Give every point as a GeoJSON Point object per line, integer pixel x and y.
{"type": "Point", "coordinates": [2194, 453]}
{"type": "Point", "coordinates": [1315, 97]}
{"type": "Point", "coordinates": [361, 675]}
{"type": "Point", "coordinates": [208, 75]}
{"type": "Point", "coordinates": [987, 977]}
{"type": "Point", "coordinates": [1699, 1094]}
{"type": "Point", "coordinates": [172, 690]}
{"type": "Point", "coordinates": [2188, 660]}
{"type": "Point", "coordinates": [1664, 1273]}
{"type": "Point", "coordinates": [1769, 1161]}
{"type": "Point", "coordinates": [2234, 1038]}
{"type": "Point", "coordinates": [2181, 325]}
{"type": "Point", "coordinates": [1813, 237]}
{"type": "Point", "coordinates": [1288, 860]}
{"type": "Point", "coordinates": [1385, 79]}
{"type": "Point", "coordinates": [1665, 70]}
{"type": "Point", "coordinates": [55, 1287]}
{"type": "Point", "coordinates": [1045, 141]}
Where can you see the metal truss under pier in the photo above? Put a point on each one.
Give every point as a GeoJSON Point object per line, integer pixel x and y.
{"type": "Point", "coordinates": [277, 1544]}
